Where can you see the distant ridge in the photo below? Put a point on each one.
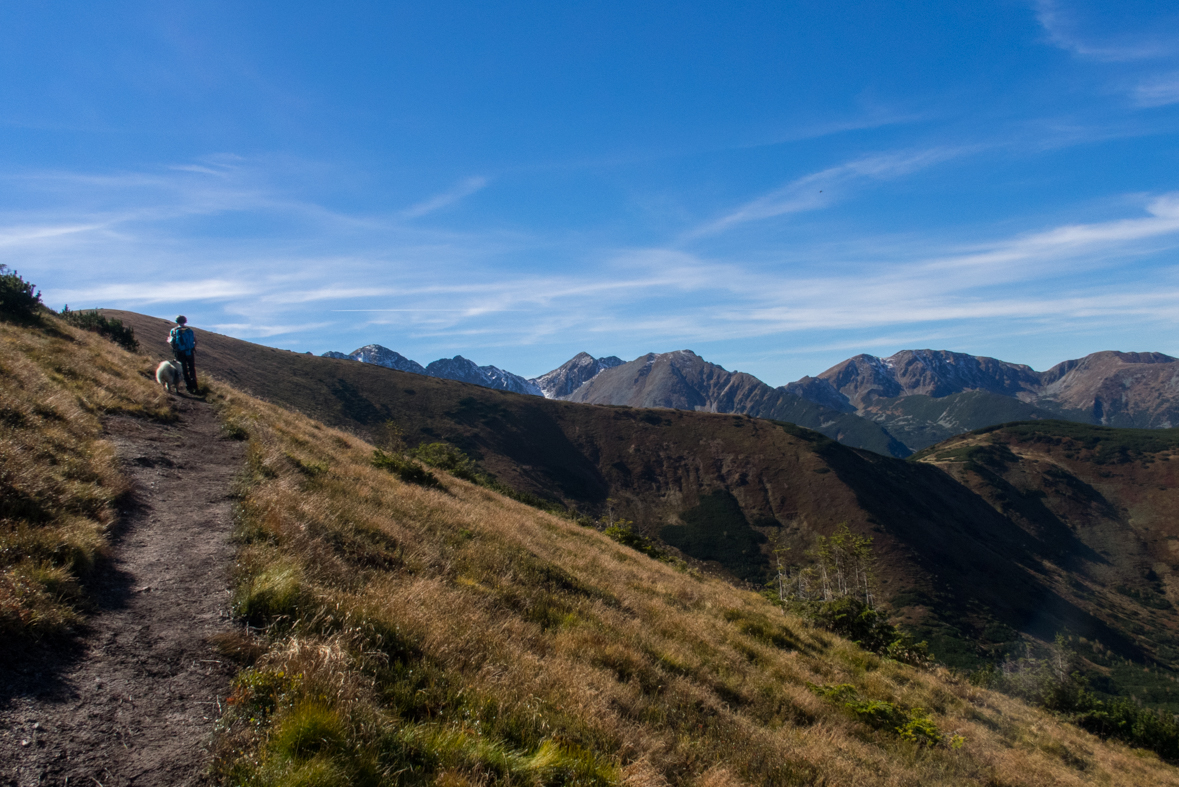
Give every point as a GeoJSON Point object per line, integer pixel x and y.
{"type": "Point", "coordinates": [382, 356]}
{"type": "Point", "coordinates": [1138, 390]}
{"type": "Point", "coordinates": [894, 405]}
{"type": "Point", "coordinates": [685, 381]}
{"type": "Point", "coordinates": [553, 385]}
{"type": "Point", "coordinates": [466, 371]}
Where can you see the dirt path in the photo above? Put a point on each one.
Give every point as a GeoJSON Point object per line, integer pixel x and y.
{"type": "Point", "coordinates": [136, 701]}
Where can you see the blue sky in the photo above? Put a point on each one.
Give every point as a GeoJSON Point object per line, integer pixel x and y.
{"type": "Point", "coordinates": [776, 186]}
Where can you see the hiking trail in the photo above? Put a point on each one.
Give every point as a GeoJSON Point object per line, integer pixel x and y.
{"type": "Point", "coordinates": [135, 701]}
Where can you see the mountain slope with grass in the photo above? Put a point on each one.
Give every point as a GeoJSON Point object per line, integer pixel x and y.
{"type": "Point", "coordinates": [449, 635]}
{"type": "Point", "coordinates": [446, 634]}
{"type": "Point", "coordinates": [1098, 507]}
{"type": "Point", "coordinates": [722, 489]}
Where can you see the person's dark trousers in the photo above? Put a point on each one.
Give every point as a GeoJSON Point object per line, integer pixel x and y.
{"type": "Point", "coordinates": [188, 364]}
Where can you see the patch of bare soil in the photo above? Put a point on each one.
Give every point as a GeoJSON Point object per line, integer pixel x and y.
{"type": "Point", "coordinates": [134, 701]}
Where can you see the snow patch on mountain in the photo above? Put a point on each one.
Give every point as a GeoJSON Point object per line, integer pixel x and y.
{"type": "Point", "coordinates": [574, 373]}
{"type": "Point", "coordinates": [457, 368]}
{"type": "Point", "coordinates": [466, 371]}
{"type": "Point", "coordinates": [383, 356]}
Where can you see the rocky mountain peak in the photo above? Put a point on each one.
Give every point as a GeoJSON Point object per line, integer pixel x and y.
{"type": "Point", "coordinates": [571, 375]}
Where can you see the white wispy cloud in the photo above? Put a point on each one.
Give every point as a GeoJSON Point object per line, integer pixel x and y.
{"type": "Point", "coordinates": [260, 331]}
{"type": "Point", "coordinates": [445, 292]}
{"type": "Point", "coordinates": [1062, 29]}
{"type": "Point", "coordinates": [22, 236]}
{"type": "Point", "coordinates": [1157, 91]}
{"type": "Point", "coordinates": [446, 199]}
{"type": "Point", "coordinates": [820, 189]}
{"type": "Point", "coordinates": [158, 292]}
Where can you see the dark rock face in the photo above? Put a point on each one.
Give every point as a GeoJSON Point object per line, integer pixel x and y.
{"type": "Point", "coordinates": [571, 375]}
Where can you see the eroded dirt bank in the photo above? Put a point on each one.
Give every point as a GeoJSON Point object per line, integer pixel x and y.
{"type": "Point", "coordinates": [135, 702]}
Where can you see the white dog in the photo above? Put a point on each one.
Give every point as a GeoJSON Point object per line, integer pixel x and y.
{"type": "Point", "coordinates": [168, 374]}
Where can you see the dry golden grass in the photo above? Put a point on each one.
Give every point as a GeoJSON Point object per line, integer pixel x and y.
{"type": "Point", "coordinates": [454, 637]}
{"type": "Point", "coordinates": [58, 479]}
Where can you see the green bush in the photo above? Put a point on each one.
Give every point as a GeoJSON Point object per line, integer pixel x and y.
{"type": "Point", "coordinates": [912, 725]}
{"type": "Point", "coordinates": [1051, 679]}
{"type": "Point", "coordinates": [273, 595]}
{"type": "Point", "coordinates": [122, 335]}
{"type": "Point", "coordinates": [404, 468]}
{"type": "Point", "coordinates": [868, 627]}
{"type": "Point", "coordinates": [20, 300]}
{"type": "Point", "coordinates": [445, 456]}
{"type": "Point", "coordinates": [624, 534]}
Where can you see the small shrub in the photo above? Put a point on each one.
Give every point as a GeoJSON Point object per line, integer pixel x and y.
{"type": "Point", "coordinates": [868, 627]}
{"type": "Point", "coordinates": [445, 456]}
{"type": "Point", "coordinates": [912, 725]}
{"type": "Point", "coordinates": [310, 729]}
{"type": "Point", "coordinates": [624, 534]}
{"type": "Point", "coordinates": [122, 335]}
{"type": "Point", "coordinates": [20, 301]}
{"type": "Point", "coordinates": [404, 468]}
{"type": "Point", "coordinates": [235, 431]}
{"type": "Point", "coordinates": [259, 693]}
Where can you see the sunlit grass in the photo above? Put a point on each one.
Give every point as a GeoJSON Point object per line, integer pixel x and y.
{"type": "Point", "coordinates": [452, 636]}
{"type": "Point", "coordinates": [58, 479]}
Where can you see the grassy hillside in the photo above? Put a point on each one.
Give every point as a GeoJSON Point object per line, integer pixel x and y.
{"type": "Point", "coordinates": [965, 575]}
{"type": "Point", "coordinates": [1097, 508]}
{"type": "Point", "coordinates": [451, 636]}
{"type": "Point", "coordinates": [400, 634]}
{"type": "Point", "coordinates": [59, 482]}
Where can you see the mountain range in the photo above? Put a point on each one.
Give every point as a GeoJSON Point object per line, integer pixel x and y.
{"type": "Point", "coordinates": [894, 406]}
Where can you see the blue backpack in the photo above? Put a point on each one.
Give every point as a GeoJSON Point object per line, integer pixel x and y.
{"type": "Point", "coordinates": [182, 339]}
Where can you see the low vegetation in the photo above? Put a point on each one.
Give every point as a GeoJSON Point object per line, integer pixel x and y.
{"type": "Point", "coordinates": [20, 301]}
{"type": "Point", "coordinates": [107, 327]}
{"type": "Point", "coordinates": [59, 481]}
{"type": "Point", "coordinates": [1052, 678]}
{"type": "Point", "coordinates": [445, 634]}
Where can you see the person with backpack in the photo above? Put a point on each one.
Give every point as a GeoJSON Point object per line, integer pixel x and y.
{"type": "Point", "coordinates": [183, 343]}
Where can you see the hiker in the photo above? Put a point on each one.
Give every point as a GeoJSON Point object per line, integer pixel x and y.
{"type": "Point", "coordinates": [183, 343]}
